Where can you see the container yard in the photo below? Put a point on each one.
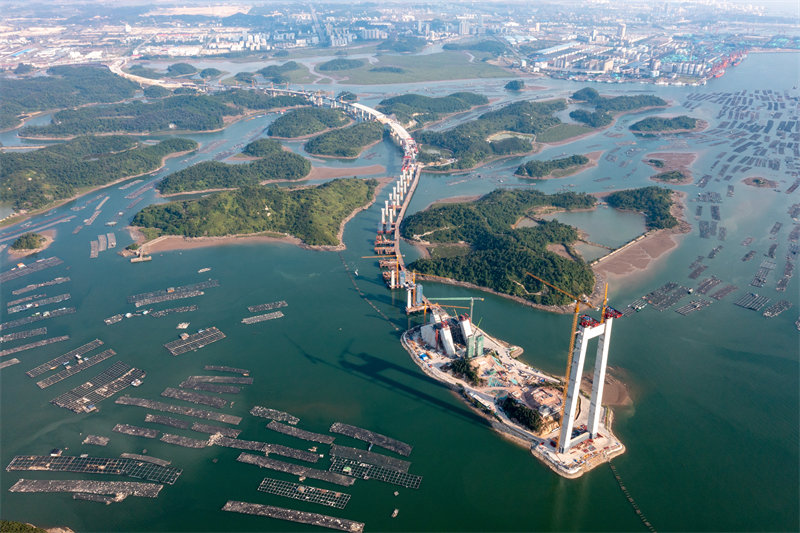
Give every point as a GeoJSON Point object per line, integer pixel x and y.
{"type": "Point", "coordinates": [306, 493]}
{"type": "Point", "coordinates": [292, 515]}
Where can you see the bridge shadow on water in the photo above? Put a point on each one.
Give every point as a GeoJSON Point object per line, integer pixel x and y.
{"type": "Point", "coordinates": [376, 371]}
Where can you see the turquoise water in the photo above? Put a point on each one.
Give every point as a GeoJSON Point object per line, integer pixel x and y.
{"type": "Point", "coordinates": [711, 436]}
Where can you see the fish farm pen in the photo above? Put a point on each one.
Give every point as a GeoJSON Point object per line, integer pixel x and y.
{"type": "Point", "coordinates": [306, 493]}
{"type": "Point", "coordinates": [292, 515]}
{"type": "Point", "coordinates": [172, 293]}
{"type": "Point", "coordinates": [77, 366]}
{"type": "Point", "coordinates": [194, 397]}
{"type": "Point", "coordinates": [364, 456]}
{"type": "Point", "coordinates": [267, 307]}
{"type": "Point", "coordinates": [265, 412]}
{"type": "Point", "coordinates": [186, 442]}
{"type": "Point", "coordinates": [211, 430]}
{"type": "Point", "coordinates": [38, 303]}
{"type": "Point", "coordinates": [179, 410]}
{"type": "Point", "coordinates": [265, 447]}
{"type": "Point", "coordinates": [171, 310]}
{"type": "Point", "coordinates": [35, 286]}
{"type": "Point", "coordinates": [298, 470]}
{"type": "Point", "coordinates": [96, 440]}
{"type": "Point", "coordinates": [36, 266]}
{"type": "Point", "coordinates": [116, 378]}
{"type": "Point", "coordinates": [209, 387]}
{"type": "Point", "coordinates": [23, 335]}
{"type": "Point", "coordinates": [61, 359]}
{"type": "Point", "coordinates": [96, 465]}
{"type": "Point", "coordinates": [37, 317]}
{"type": "Point", "coordinates": [166, 421]}
{"type": "Point", "coordinates": [300, 433]}
{"type": "Point", "coordinates": [124, 488]}
{"type": "Point", "coordinates": [10, 362]}
{"type": "Point", "coordinates": [194, 342]}
{"type": "Point", "coordinates": [233, 370]}
{"type": "Point", "coordinates": [357, 469]}
{"type": "Point", "coordinates": [136, 431]}
{"type": "Point", "coordinates": [29, 346]}
{"type": "Point", "coordinates": [146, 458]}
{"type": "Point", "coordinates": [262, 318]}
{"type": "Point", "coordinates": [220, 379]}
{"type": "Point", "coordinates": [373, 438]}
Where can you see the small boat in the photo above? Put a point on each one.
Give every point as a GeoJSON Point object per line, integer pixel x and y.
{"type": "Point", "coordinates": [395, 512]}
{"type": "Point", "coordinates": [183, 325]}
{"type": "Point", "coordinates": [206, 269]}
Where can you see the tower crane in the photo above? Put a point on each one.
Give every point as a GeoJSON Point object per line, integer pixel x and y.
{"type": "Point", "coordinates": [578, 303]}
{"type": "Point", "coordinates": [471, 299]}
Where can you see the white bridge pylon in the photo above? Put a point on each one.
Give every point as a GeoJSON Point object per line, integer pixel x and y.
{"type": "Point", "coordinates": [584, 335]}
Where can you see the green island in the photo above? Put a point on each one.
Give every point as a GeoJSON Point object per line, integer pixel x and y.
{"type": "Point", "coordinates": [514, 85]}
{"type": "Point", "coordinates": [347, 96]}
{"type": "Point", "coordinates": [312, 214]}
{"type": "Point", "coordinates": [594, 119]}
{"type": "Point", "coordinates": [497, 255]}
{"type": "Point", "coordinates": [209, 73]}
{"type": "Point", "coordinates": [661, 124]}
{"type": "Point", "coordinates": [340, 64]}
{"type": "Point", "coordinates": [403, 43]}
{"type": "Point", "coordinates": [28, 241]}
{"type": "Point", "coordinates": [181, 69]}
{"type": "Point", "coordinates": [345, 142]}
{"type": "Point", "coordinates": [617, 103]}
{"type": "Point", "coordinates": [469, 142]}
{"type": "Point", "coordinates": [419, 109]}
{"type": "Point", "coordinates": [277, 73]}
{"type": "Point", "coordinates": [672, 176]}
{"type": "Point", "coordinates": [274, 164]}
{"type": "Point", "coordinates": [306, 121]}
{"type": "Point", "coordinates": [65, 86]}
{"type": "Point", "coordinates": [191, 112]}
{"type": "Point", "coordinates": [31, 180]}
{"type": "Point", "coordinates": [655, 202]}
{"type": "Point", "coordinates": [656, 163]}
{"type": "Point", "coordinates": [537, 169]}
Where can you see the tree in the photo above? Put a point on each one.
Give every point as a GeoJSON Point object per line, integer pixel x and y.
{"type": "Point", "coordinates": [515, 85]}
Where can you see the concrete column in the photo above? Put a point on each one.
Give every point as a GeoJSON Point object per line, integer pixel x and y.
{"type": "Point", "coordinates": [408, 299]}
{"type": "Point", "coordinates": [573, 392]}
{"type": "Point", "coordinates": [599, 379]}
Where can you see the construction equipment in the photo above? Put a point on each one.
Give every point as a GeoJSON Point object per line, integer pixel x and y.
{"type": "Point", "coordinates": [578, 302]}
{"type": "Point", "coordinates": [470, 298]}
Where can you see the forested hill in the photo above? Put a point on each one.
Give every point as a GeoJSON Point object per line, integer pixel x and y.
{"type": "Point", "coordinates": [274, 164]}
{"type": "Point", "coordinates": [196, 112]}
{"type": "Point", "coordinates": [66, 86]}
{"type": "Point", "coordinates": [499, 256]}
{"type": "Point", "coordinates": [421, 109]}
{"type": "Point", "coordinates": [32, 179]}
{"type": "Point", "coordinates": [312, 214]}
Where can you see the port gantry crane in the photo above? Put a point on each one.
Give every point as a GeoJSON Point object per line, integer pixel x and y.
{"type": "Point", "coordinates": [573, 332]}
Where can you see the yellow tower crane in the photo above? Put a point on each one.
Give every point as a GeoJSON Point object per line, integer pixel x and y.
{"type": "Point", "coordinates": [573, 331]}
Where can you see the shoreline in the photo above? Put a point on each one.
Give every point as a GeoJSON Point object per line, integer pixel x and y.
{"type": "Point", "coordinates": [342, 157]}
{"type": "Point", "coordinates": [14, 219]}
{"type": "Point", "coordinates": [169, 243]}
{"type": "Point", "coordinates": [700, 126]}
{"type": "Point", "coordinates": [537, 147]}
{"type": "Point", "coordinates": [49, 236]}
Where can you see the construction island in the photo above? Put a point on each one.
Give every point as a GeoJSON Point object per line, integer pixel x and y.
{"type": "Point", "coordinates": [522, 402]}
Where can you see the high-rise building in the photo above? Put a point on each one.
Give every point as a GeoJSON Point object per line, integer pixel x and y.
{"type": "Point", "coordinates": [622, 31]}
